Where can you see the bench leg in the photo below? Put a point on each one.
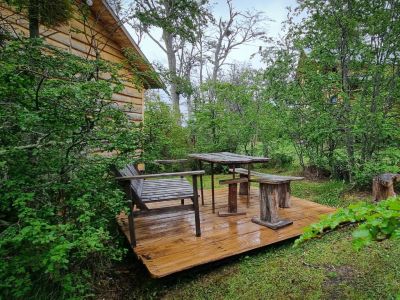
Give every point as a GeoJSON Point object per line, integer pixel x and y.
{"type": "Point", "coordinates": [232, 202]}
{"type": "Point", "coordinates": [131, 225]}
{"type": "Point", "coordinates": [284, 195]}
{"type": "Point", "coordinates": [202, 190]}
{"type": "Point", "coordinates": [269, 203]}
{"type": "Point", "coordinates": [243, 187]}
{"type": "Point", "coordinates": [196, 206]}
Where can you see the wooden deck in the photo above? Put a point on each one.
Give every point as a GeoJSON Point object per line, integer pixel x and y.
{"type": "Point", "coordinates": [167, 244]}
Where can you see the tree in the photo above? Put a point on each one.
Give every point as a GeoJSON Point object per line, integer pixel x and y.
{"type": "Point", "coordinates": [239, 28]}
{"type": "Point", "coordinates": [335, 80]}
{"type": "Point", "coordinates": [57, 229]}
{"type": "Point", "coordinates": [46, 12]}
{"type": "Point", "coordinates": [180, 22]}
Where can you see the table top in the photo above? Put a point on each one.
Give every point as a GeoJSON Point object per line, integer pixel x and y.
{"type": "Point", "coordinates": [227, 158]}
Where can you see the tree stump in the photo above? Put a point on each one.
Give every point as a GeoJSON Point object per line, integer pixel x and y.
{"type": "Point", "coordinates": [270, 199]}
{"type": "Point", "coordinates": [383, 186]}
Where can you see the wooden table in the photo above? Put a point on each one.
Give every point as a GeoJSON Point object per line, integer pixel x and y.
{"type": "Point", "coordinates": [231, 160]}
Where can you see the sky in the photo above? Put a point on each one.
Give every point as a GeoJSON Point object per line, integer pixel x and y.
{"type": "Point", "coordinates": [273, 9]}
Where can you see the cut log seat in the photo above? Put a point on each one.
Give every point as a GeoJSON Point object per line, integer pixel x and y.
{"type": "Point", "coordinates": [383, 186]}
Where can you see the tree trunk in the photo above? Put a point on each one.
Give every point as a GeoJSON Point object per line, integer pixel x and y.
{"type": "Point", "coordinates": [33, 15]}
{"type": "Point", "coordinates": [168, 39]}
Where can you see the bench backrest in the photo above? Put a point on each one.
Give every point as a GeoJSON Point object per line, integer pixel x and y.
{"type": "Point", "coordinates": [135, 184]}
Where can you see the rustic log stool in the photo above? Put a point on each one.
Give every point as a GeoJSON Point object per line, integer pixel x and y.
{"type": "Point", "coordinates": [273, 194]}
{"type": "Point", "coordinates": [383, 186]}
{"type": "Point", "coordinates": [232, 197]}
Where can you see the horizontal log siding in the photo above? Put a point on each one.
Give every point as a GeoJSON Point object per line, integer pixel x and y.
{"type": "Point", "coordinates": [76, 37]}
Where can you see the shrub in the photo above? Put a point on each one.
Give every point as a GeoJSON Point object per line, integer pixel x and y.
{"type": "Point", "coordinates": [387, 161]}
{"type": "Point", "coordinates": [163, 136]}
{"type": "Point", "coordinates": [377, 221]}
{"type": "Point", "coordinates": [58, 200]}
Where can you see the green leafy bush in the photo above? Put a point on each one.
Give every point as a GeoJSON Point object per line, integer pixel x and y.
{"type": "Point", "coordinates": [163, 136]}
{"type": "Point", "coordinates": [377, 221]}
{"type": "Point", "coordinates": [387, 161]}
{"type": "Point", "coordinates": [58, 200]}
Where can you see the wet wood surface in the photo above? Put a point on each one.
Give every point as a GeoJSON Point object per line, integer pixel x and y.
{"type": "Point", "coordinates": [166, 243]}
{"type": "Point", "coordinates": [228, 158]}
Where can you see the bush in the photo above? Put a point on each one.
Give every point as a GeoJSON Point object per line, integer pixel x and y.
{"type": "Point", "coordinates": [387, 161]}
{"type": "Point", "coordinates": [377, 221]}
{"type": "Point", "coordinates": [58, 200]}
{"type": "Point", "coordinates": [163, 136]}
{"type": "Point", "coordinates": [281, 160]}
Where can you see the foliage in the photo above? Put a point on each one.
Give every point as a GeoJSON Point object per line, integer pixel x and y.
{"type": "Point", "coordinates": [50, 12]}
{"type": "Point", "coordinates": [378, 221]}
{"type": "Point", "coordinates": [58, 200]}
{"type": "Point", "coordinates": [180, 18]}
{"type": "Point", "coordinates": [238, 119]}
{"type": "Point", "coordinates": [334, 80]}
{"type": "Point", "coordinates": [163, 137]}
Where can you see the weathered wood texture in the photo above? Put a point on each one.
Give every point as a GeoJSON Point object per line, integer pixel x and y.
{"type": "Point", "coordinates": [141, 193]}
{"type": "Point", "coordinates": [166, 244]}
{"type": "Point", "coordinates": [270, 200]}
{"type": "Point", "coordinates": [383, 186]}
{"type": "Point", "coordinates": [244, 186]}
{"type": "Point", "coordinates": [227, 158]}
{"type": "Point", "coordinates": [90, 38]}
{"type": "Point", "coordinates": [266, 177]}
{"type": "Point", "coordinates": [232, 197]}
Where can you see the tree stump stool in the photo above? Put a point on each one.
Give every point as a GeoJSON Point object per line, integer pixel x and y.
{"type": "Point", "coordinates": [232, 197]}
{"type": "Point", "coordinates": [273, 194]}
{"type": "Point", "coordinates": [383, 186]}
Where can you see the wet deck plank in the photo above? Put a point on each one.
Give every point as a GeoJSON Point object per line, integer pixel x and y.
{"type": "Point", "coordinates": [167, 244]}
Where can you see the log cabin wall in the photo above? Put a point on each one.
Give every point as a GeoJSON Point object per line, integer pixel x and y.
{"type": "Point", "coordinates": [89, 38]}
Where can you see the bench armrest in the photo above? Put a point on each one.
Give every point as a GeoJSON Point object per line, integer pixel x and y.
{"type": "Point", "coordinates": [188, 173]}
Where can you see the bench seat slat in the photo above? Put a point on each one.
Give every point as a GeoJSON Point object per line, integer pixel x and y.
{"type": "Point", "coordinates": [166, 189]}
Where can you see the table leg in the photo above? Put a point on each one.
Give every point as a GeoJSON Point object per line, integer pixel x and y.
{"type": "Point", "coordinates": [248, 185]}
{"type": "Point", "coordinates": [201, 183]}
{"type": "Point", "coordinates": [212, 188]}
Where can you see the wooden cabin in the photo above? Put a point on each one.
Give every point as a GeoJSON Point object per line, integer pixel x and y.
{"type": "Point", "coordinates": [97, 33]}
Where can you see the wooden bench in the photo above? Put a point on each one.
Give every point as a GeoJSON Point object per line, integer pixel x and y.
{"type": "Point", "coordinates": [274, 193]}
{"type": "Point", "coordinates": [140, 192]}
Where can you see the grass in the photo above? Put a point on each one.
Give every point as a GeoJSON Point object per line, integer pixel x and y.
{"type": "Point", "coordinates": [325, 268]}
